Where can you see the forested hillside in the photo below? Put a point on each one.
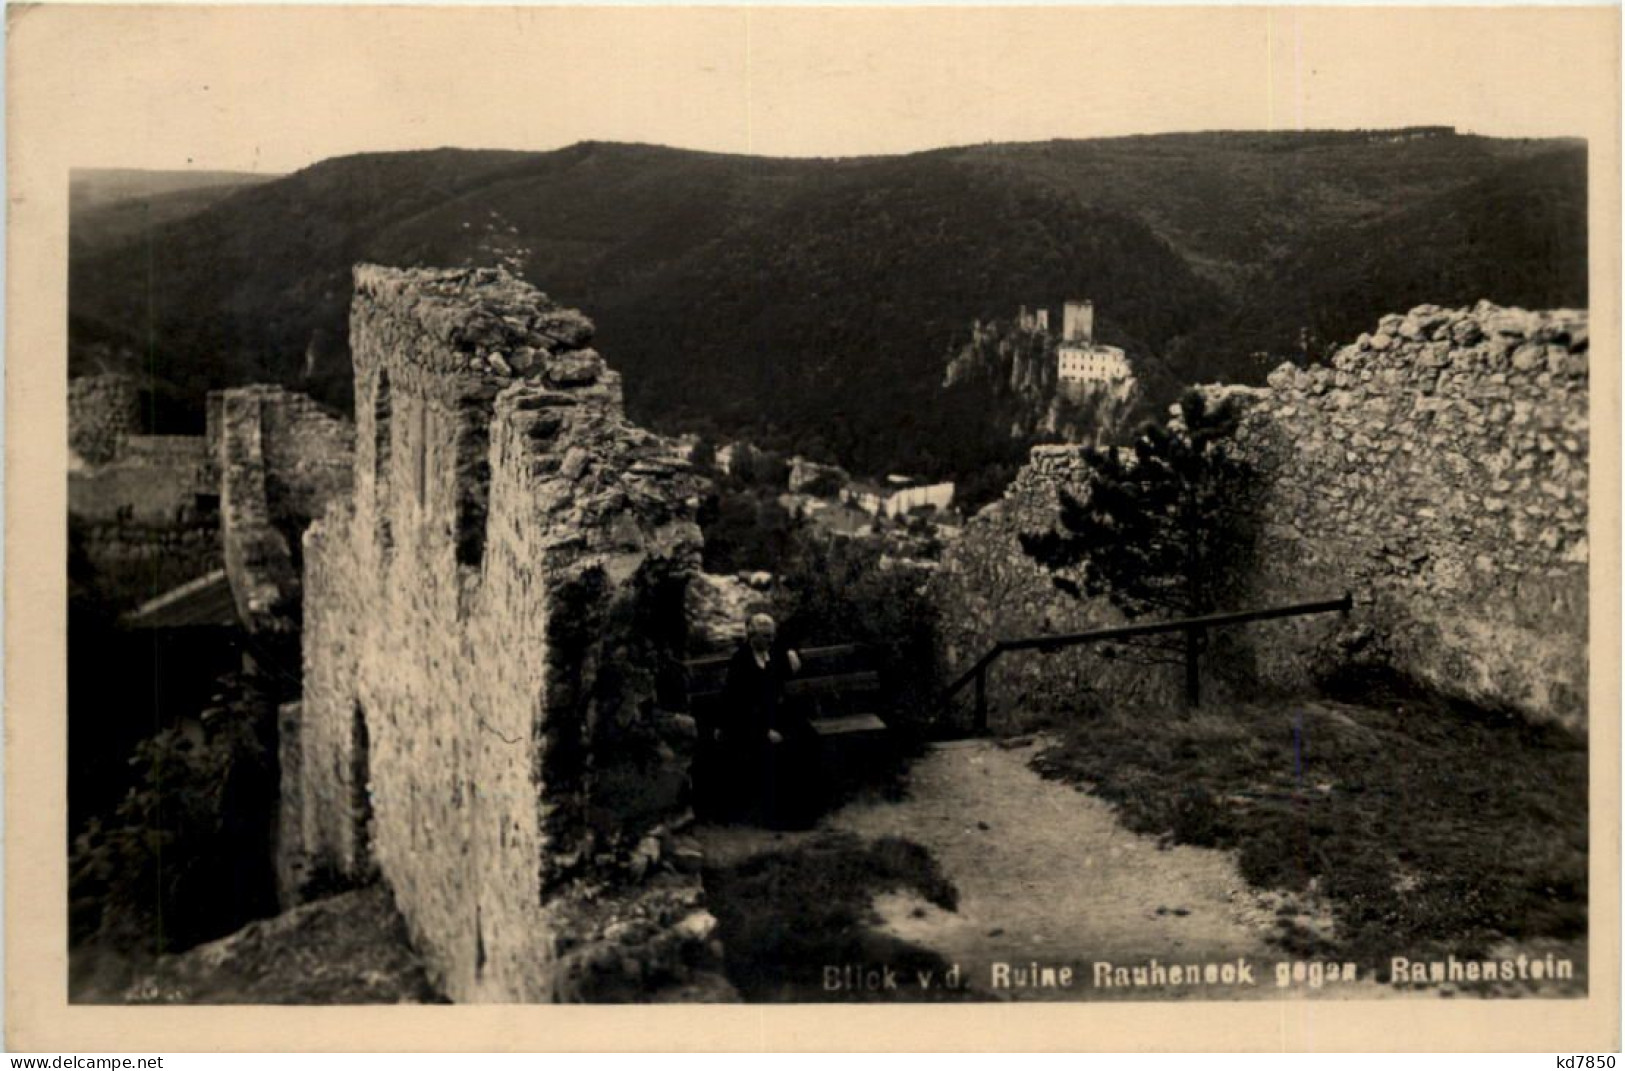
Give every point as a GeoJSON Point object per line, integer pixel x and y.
{"type": "Point", "coordinates": [812, 304]}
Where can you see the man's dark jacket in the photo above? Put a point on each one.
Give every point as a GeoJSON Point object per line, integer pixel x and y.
{"type": "Point", "coordinates": [753, 698]}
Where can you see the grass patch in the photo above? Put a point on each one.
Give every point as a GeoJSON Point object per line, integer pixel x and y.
{"type": "Point", "coordinates": [784, 916]}
{"type": "Point", "coordinates": [1428, 826]}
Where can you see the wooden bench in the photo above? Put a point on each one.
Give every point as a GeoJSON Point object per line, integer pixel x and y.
{"type": "Point", "coordinates": [838, 690]}
{"type": "Point", "coordinates": [839, 685]}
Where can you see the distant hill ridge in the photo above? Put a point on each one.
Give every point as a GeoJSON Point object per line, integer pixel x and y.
{"type": "Point", "coordinates": [96, 186]}
{"type": "Point", "coordinates": [110, 206]}
{"type": "Point", "coordinates": [811, 303]}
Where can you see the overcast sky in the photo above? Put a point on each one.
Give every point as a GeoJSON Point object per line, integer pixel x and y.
{"type": "Point", "coordinates": [274, 89]}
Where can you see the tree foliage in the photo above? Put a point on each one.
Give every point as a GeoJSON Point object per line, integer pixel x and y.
{"type": "Point", "coordinates": [1162, 528]}
{"type": "Point", "coordinates": [186, 857]}
{"type": "Point", "coordinates": [847, 591]}
{"type": "Point", "coordinates": [807, 305]}
{"type": "Point", "coordinates": [745, 525]}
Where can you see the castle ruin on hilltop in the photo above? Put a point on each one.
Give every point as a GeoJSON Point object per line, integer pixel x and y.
{"type": "Point", "coordinates": [1079, 359]}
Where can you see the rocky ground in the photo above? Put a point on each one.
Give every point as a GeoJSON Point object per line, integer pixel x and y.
{"type": "Point", "coordinates": [346, 949]}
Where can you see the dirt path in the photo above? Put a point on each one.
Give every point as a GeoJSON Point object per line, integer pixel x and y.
{"type": "Point", "coordinates": [1047, 876]}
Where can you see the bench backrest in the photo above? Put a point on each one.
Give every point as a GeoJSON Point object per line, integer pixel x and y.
{"type": "Point", "coordinates": [835, 680]}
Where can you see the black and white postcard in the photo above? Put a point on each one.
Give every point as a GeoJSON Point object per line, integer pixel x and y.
{"type": "Point", "coordinates": [773, 509]}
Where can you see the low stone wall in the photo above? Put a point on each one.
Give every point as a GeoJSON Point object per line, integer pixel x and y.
{"type": "Point", "coordinates": [156, 493]}
{"type": "Point", "coordinates": [163, 449]}
{"type": "Point", "coordinates": [145, 512]}
{"type": "Point", "coordinates": [259, 564]}
{"type": "Point", "coordinates": [487, 629]}
{"type": "Point", "coordinates": [1437, 471]}
{"type": "Point", "coordinates": [346, 949]}
{"type": "Point", "coordinates": [136, 562]}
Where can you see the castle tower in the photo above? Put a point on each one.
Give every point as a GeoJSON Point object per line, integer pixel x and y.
{"type": "Point", "coordinates": [1079, 358]}
{"type": "Point", "coordinates": [1078, 322]}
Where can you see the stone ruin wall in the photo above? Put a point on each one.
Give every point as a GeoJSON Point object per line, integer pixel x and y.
{"type": "Point", "coordinates": [1437, 470]}
{"type": "Point", "coordinates": [486, 626]}
{"type": "Point", "coordinates": [101, 408]}
{"type": "Point", "coordinates": [988, 590]}
{"type": "Point", "coordinates": [141, 507]}
{"type": "Point", "coordinates": [281, 459]}
{"type": "Point", "coordinates": [117, 475]}
{"type": "Point", "coordinates": [135, 563]}
{"type": "Point", "coordinates": [160, 510]}
{"type": "Point", "coordinates": [151, 481]}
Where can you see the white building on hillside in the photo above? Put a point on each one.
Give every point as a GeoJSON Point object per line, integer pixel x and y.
{"type": "Point", "coordinates": [1079, 358]}
{"type": "Point", "coordinates": [937, 496]}
{"type": "Point", "coordinates": [898, 497]}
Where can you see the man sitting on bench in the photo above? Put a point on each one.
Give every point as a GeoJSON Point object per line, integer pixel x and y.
{"type": "Point", "coordinates": [766, 745]}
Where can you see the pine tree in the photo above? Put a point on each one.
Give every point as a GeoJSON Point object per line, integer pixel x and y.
{"type": "Point", "coordinates": [1161, 531]}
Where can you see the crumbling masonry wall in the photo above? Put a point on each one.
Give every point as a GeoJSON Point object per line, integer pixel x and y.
{"type": "Point", "coordinates": [281, 459]}
{"type": "Point", "coordinates": [151, 480]}
{"type": "Point", "coordinates": [101, 408]}
{"type": "Point", "coordinates": [987, 589]}
{"type": "Point", "coordinates": [141, 508]}
{"type": "Point", "coordinates": [1437, 470]}
{"type": "Point", "coordinates": [485, 628]}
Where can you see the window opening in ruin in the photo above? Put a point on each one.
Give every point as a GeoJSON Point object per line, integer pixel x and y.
{"type": "Point", "coordinates": [361, 785]}
{"type": "Point", "coordinates": [471, 518]}
{"type": "Point", "coordinates": [420, 451]}
{"type": "Point", "coordinates": [381, 411]}
{"type": "Point", "coordinates": [472, 459]}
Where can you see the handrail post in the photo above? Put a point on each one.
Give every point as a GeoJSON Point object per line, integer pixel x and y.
{"type": "Point", "coordinates": [1193, 683]}
{"type": "Point", "coordinates": [981, 701]}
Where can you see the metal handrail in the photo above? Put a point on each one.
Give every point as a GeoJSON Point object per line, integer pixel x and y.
{"type": "Point", "coordinates": [1193, 627]}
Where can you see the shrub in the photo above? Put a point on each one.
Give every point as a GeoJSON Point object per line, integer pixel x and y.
{"type": "Point", "coordinates": [1160, 531]}
{"type": "Point", "coordinates": [745, 529]}
{"type": "Point", "coordinates": [844, 591]}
